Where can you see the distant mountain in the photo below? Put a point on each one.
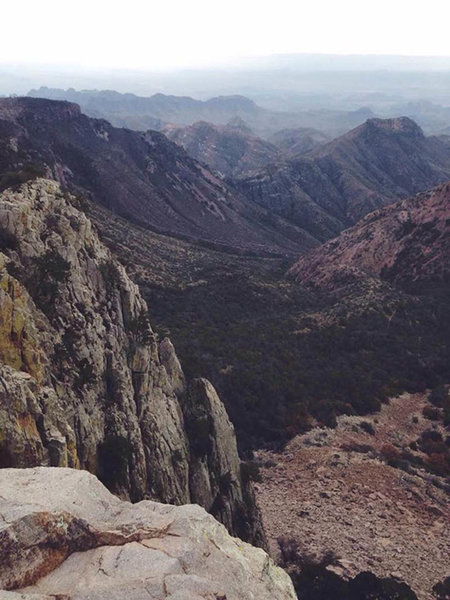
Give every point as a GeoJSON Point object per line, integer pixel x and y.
{"type": "Point", "coordinates": [298, 141]}
{"type": "Point", "coordinates": [406, 243]}
{"type": "Point", "coordinates": [153, 112]}
{"type": "Point", "coordinates": [334, 185]}
{"type": "Point", "coordinates": [141, 113]}
{"type": "Point", "coordinates": [230, 149]}
{"type": "Point", "coordinates": [144, 177]}
{"type": "Point", "coordinates": [432, 117]}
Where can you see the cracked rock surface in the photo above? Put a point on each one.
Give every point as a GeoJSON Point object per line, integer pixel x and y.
{"type": "Point", "coordinates": [63, 535]}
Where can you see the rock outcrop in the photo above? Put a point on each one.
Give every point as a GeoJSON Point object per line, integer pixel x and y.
{"type": "Point", "coordinates": [86, 383]}
{"type": "Point", "coordinates": [63, 535]}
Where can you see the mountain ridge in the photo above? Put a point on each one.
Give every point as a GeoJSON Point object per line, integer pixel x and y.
{"type": "Point", "coordinates": [142, 176]}
{"type": "Point", "coordinates": [230, 149]}
{"type": "Point", "coordinates": [405, 243]}
{"type": "Point", "coordinates": [141, 113]}
{"type": "Point", "coordinates": [373, 165]}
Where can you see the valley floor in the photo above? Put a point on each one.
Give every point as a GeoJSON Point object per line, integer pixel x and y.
{"type": "Point", "coordinates": [332, 490]}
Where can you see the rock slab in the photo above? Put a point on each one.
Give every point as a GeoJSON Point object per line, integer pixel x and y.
{"type": "Point", "coordinates": [64, 535]}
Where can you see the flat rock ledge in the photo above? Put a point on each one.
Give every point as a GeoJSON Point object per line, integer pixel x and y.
{"type": "Point", "coordinates": [64, 536]}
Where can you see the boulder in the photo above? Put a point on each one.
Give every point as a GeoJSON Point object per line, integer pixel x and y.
{"type": "Point", "coordinates": [64, 535]}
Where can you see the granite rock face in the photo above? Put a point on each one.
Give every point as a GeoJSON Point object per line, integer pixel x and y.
{"type": "Point", "coordinates": [63, 535]}
{"type": "Point", "coordinates": [86, 383]}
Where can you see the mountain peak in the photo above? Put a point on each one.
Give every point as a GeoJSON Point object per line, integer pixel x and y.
{"type": "Point", "coordinates": [235, 102]}
{"type": "Point", "coordinates": [398, 125]}
{"type": "Point", "coordinates": [13, 107]}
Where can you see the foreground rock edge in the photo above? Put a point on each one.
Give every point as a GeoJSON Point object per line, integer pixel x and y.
{"type": "Point", "coordinates": [63, 534]}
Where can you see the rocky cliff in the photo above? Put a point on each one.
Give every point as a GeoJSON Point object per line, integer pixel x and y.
{"type": "Point", "coordinates": [63, 535]}
{"type": "Point", "coordinates": [85, 381]}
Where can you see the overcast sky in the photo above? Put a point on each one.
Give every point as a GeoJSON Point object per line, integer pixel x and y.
{"type": "Point", "coordinates": [181, 33]}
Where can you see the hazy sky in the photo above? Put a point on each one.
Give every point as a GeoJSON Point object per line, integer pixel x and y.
{"type": "Point", "coordinates": [180, 33]}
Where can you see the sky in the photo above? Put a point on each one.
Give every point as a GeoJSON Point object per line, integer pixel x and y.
{"type": "Point", "coordinates": [170, 34]}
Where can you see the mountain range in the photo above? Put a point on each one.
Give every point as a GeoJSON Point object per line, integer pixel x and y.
{"type": "Point", "coordinates": [142, 176]}
{"type": "Point", "coordinates": [286, 207]}
{"type": "Point", "coordinates": [336, 184]}
{"type": "Point", "coordinates": [301, 295]}
{"type": "Point", "coordinates": [142, 113]}
{"type": "Point", "coordinates": [233, 150]}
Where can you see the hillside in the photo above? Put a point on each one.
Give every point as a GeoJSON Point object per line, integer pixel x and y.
{"type": "Point", "coordinates": [142, 176]}
{"type": "Point", "coordinates": [406, 243]}
{"type": "Point", "coordinates": [230, 149]}
{"type": "Point", "coordinates": [373, 165]}
{"type": "Point", "coordinates": [372, 493]}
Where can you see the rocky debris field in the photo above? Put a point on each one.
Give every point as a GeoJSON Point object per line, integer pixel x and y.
{"type": "Point", "coordinates": [332, 490]}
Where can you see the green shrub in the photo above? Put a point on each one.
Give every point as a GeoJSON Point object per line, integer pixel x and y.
{"type": "Point", "coordinates": [431, 413]}
{"type": "Point", "coordinates": [140, 329]}
{"type": "Point", "coordinates": [48, 272]}
{"type": "Point", "coordinates": [111, 274]}
{"type": "Point", "coordinates": [250, 471]}
{"type": "Point", "coordinates": [442, 589]}
{"type": "Point", "coordinates": [314, 581]}
{"type": "Point", "coordinates": [439, 395]}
